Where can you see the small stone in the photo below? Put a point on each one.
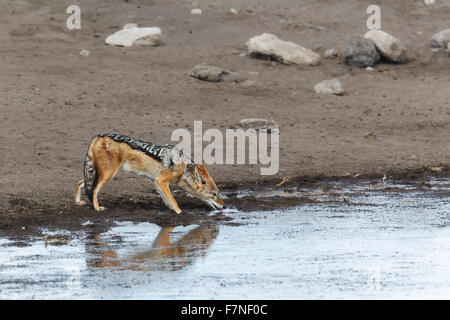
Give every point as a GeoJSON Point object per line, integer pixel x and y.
{"type": "Point", "coordinates": [84, 53]}
{"type": "Point", "coordinates": [371, 136]}
{"type": "Point", "coordinates": [448, 48]}
{"type": "Point", "coordinates": [213, 74]}
{"type": "Point", "coordinates": [258, 124]}
{"type": "Point", "coordinates": [248, 83]}
{"type": "Point", "coordinates": [435, 50]}
{"type": "Point", "coordinates": [333, 86]}
{"type": "Point", "coordinates": [268, 45]}
{"type": "Point", "coordinates": [330, 53]}
{"type": "Point", "coordinates": [196, 11]}
{"type": "Point", "coordinates": [370, 69]}
{"type": "Point", "coordinates": [234, 11]}
{"type": "Point", "coordinates": [360, 52]}
{"type": "Point", "coordinates": [440, 39]}
{"type": "Point", "coordinates": [429, 2]}
{"type": "Point", "coordinates": [391, 48]}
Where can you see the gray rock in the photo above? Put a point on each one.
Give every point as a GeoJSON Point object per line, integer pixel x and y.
{"type": "Point", "coordinates": [333, 86]}
{"type": "Point", "coordinates": [330, 53]}
{"type": "Point", "coordinates": [360, 52]}
{"type": "Point", "coordinates": [448, 48]}
{"type": "Point", "coordinates": [257, 124]}
{"type": "Point", "coordinates": [213, 74]}
{"type": "Point", "coordinates": [440, 39]}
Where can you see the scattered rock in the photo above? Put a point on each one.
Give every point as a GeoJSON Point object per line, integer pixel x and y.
{"type": "Point", "coordinates": [313, 26]}
{"type": "Point", "coordinates": [214, 74]}
{"type": "Point", "coordinates": [132, 35]}
{"type": "Point", "coordinates": [440, 39]}
{"type": "Point", "coordinates": [391, 48]}
{"type": "Point", "coordinates": [383, 69]}
{"type": "Point", "coordinates": [429, 2]}
{"type": "Point", "coordinates": [196, 11]}
{"type": "Point", "coordinates": [448, 48]}
{"type": "Point", "coordinates": [360, 52]}
{"type": "Point", "coordinates": [286, 52]}
{"type": "Point", "coordinates": [248, 83]}
{"type": "Point", "coordinates": [371, 136]}
{"type": "Point", "coordinates": [234, 11]}
{"type": "Point", "coordinates": [330, 53]}
{"type": "Point", "coordinates": [258, 124]}
{"type": "Point", "coordinates": [435, 50]}
{"type": "Point", "coordinates": [333, 86]}
{"type": "Point", "coordinates": [84, 53]}
{"type": "Point", "coordinates": [370, 69]}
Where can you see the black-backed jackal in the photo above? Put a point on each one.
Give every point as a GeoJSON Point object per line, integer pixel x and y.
{"type": "Point", "coordinates": [108, 153]}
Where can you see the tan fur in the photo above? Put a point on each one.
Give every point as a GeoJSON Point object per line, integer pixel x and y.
{"type": "Point", "coordinates": [110, 156]}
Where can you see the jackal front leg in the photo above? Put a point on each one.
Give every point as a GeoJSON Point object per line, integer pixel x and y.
{"type": "Point", "coordinates": [167, 196]}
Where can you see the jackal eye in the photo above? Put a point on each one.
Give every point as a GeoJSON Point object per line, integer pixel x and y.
{"type": "Point", "coordinates": [203, 181]}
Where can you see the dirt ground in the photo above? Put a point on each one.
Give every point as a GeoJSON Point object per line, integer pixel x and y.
{"type": "Point", "coordinates": [53, 100]}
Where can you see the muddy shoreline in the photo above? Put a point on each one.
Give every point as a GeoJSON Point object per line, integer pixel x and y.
{"type": "Point", "coordinates": [22, 218]}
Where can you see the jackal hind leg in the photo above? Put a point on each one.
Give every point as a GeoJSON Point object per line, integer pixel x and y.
{"type": "Point", "coordinates": [102, 180]}
{"type": "Point", "coordinates": [78, 201]}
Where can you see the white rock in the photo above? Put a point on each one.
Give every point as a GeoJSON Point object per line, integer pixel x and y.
{"type": "Point", "coordinates": [234, 11]}
{"type": "Point", "coordinates": [84, 53]}
{"type": "Point", "coordinates": [370, 69]}
{"type": "Point", "coordinates": [391, 48]}
{"type": "Point", "coordinates": [135, 36]}
{"type": "Point", "coordinates": [440, 39]}
{"type": "Point", "coordinates": [196, 11]}
{"type": "Point", "coordinates": [429, 2]}
{"type": "Point", "coordinates": [330, 53]}
{"type": "Point", "coordinates": [333, 86]}
{"type": "Point", "coordinates": [286, 52]}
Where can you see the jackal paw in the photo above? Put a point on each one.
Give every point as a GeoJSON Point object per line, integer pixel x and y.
{"type": "Point", "coordinates": [178, 211]}
{"type": "Point", "coordinates": [101, 209]}
{"type": "Point", "coordinates": [80, 203]}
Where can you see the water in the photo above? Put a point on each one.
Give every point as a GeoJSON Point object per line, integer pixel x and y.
{"type": "Point", "coordinates": [385, 244]}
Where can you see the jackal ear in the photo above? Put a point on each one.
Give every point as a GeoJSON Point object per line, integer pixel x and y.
{"type": "Point", "coordinates": [202, 169]}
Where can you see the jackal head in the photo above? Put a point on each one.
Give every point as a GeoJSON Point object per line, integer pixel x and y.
{"type": "Point", "coordinates": [197, 181]}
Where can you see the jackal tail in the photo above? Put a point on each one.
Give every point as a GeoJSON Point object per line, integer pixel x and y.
{"type": "Point", "coordinates": [90, 173]}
